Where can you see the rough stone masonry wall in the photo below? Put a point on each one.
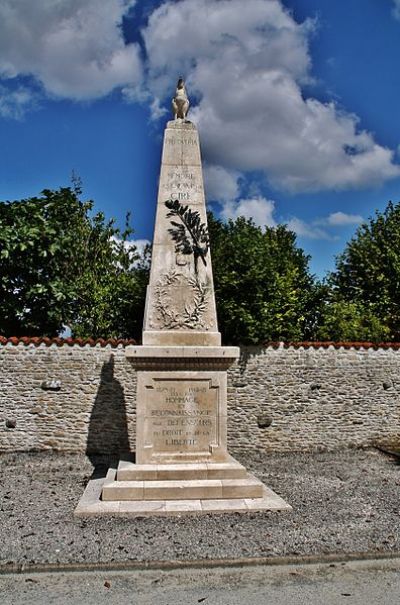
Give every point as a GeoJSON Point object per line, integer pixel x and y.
{"type": "Point", "coordinates": [72, 398]}
{"type": "Point", "coordinates": [301, 398]}
{"type": "Point", "coordinates": [78, 397]}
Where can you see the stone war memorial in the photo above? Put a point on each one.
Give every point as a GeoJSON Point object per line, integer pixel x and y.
{"type": "Point", "coordinates": [182, 464]}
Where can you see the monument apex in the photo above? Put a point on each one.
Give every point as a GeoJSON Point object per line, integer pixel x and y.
{"type": "Point", "coordinates": [180, 102]}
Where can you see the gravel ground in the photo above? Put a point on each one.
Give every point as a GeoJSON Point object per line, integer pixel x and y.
{"type": "Point", "coordinates": [343, 502]}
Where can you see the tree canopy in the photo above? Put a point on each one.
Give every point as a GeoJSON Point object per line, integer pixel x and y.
{"type": "Point", "coordinates": [367, 278]}
{"type": "Point", "coordinates": [62, 266]}
{"type": "Point", "coordinates": [263, 287]}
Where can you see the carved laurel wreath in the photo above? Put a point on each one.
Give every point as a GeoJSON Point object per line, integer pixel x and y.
{"type": "Point", "coordinates": [191, 317]}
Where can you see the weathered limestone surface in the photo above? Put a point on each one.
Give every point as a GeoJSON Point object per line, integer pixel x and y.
{"type": "Point", "coordinates": [181, 368]}
{"type": "Point", "coordinates": [180, 307]}
{"type": "Point", "coordinates": [181, 403]}
{"type": "Point", "coordinates": [183, 418]}
{"type": "Point", "coordinates": [305, 399]}
{"type": "Point", "coordinates": [314, 398]}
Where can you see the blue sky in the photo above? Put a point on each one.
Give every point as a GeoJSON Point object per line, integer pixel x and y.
{"type": "Point", "coordinates": [296, 102]}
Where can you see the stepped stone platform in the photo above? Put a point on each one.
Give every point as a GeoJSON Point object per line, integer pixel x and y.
{"type": "Point", "coordinates": [113, 496]}
{"type": "Point", "coordinates": [182, 481]}
{"type": "Point", "coordinates": [173, 481]}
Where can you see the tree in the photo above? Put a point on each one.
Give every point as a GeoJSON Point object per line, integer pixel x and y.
{"type": "Point", "coordinates": [342, 320]}
{"type": "Point", "coordinates": [61, 266]}
{"type": "Point", "coordinates": [263, 287]}
{"type": "Point", "coordinates": [367, 275]}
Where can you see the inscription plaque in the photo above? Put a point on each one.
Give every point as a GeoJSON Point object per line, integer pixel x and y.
{"type": "Point", "coordinates": [183, 185]}
{"type": "Point", "coordinates": [173, 139]}
{"type": "Point", "coordinates": [182, 417]}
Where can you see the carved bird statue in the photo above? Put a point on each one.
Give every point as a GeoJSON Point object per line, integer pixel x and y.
{"type": "Point", "coordinates": [180, 102]}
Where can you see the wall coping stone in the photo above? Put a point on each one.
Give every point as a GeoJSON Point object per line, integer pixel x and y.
{"type": "Point", "coordinates": [81, 342]}
{"type": "Point", "coordinates": [118, 342]}
{"type": "Point", "coordinates": [333, 344]}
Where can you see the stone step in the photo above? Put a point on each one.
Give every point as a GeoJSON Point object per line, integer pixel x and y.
{"type": "Point", "coordinates": [128, 471]}
{"type": "Point", "coordinates": [201, 489]}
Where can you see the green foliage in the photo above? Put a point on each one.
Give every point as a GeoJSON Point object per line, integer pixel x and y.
{"type": "Point", "coordinates": [263, 287]}
{"type": "Point", "coordinates": [61, 266]}
{"type": "Point", "coordinates": [351, 321]}
{"type": "Point", "coordinates": [368, 275]}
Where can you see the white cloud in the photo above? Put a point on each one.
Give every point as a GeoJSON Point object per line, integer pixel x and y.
{"type": "Point", "coordinates": [259, 209]}
{"type": "Point", "coordinates": [341, 219]}
{"type": "Point", "coordinates": [316, 229]}
{"type": "Point", "coordinates": [140, 244]}
{"type": "Point", "coordinates": [14, 103]}
{"type": "Point", "coordinates": [74, 48]}
{"type": "Point", "coordinates": [396, 9]}
{"type": "Point", "coordinates": [220, 184]}
{"type": "Point", "coordinates": [307, 230]}
{"type": "Point", "coordinates": [263, 212]}
{"type": "Point", "coordinates": [248, 67]}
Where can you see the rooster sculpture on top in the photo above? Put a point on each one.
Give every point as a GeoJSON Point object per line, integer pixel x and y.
{"type": "Point", "coordinates": [180, 102]}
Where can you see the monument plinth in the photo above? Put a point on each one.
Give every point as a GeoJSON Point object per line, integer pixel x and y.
{"type": "Point", "coordinates": [182, 463]}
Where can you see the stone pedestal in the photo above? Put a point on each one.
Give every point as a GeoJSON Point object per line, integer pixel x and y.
{"type": "Point", "coordinates": [181, 403]}
{"type": "Point", "coordinates": [182, 463]}
{"type": "Point", "coordinates": [181, 450]}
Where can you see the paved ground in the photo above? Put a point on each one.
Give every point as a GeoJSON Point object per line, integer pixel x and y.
{"type": "Point", "coordinates": [356, 583]}
{"type": "Point", "coordinates": [343, 502]}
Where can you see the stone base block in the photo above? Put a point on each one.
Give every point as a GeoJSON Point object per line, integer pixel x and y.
{"type": "Point", "coordinates": [186, 338]}
{"type": "Point", "coordinates": [91, 504]}
{"type": "Point", "coordinates": [128, 471]}
{"type": "Point", "coordinates": [184, 489]}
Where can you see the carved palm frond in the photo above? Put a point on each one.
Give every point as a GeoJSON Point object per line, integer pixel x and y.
{"type": "Point", "coordinates": [190, 234]}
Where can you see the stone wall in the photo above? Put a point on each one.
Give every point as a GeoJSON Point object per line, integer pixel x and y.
{"type": "Point", "coordinates": [72, 398]}
{"type": "Point", "coordinates": [81, 397]}
{"type": "Point", "coordinates": [301, 398]}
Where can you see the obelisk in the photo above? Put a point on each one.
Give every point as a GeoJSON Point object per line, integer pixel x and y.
{"type": "Point", "coordinates": [180, 306]}
{"type": "Point", "coordinates": [182, 463]}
